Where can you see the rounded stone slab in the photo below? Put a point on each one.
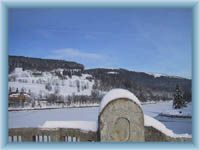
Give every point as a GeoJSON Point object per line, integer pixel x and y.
{"type": "Point", "coordinates": [121, 120]}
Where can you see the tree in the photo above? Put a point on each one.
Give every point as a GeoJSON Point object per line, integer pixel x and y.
{"type": "Point", "coordinates": [187, 96]}
{"type": "Point", "coordinates": [56, 90]}
{"type": "Point", "coordinates": [78, 85]}
{"type": "Point", "coordinates": [10, 90]}
{"type": "Point", "coordinates": [23, 90]}
{"type": "Point", "coordinates": [95, 85]}
{"type": "Point", "coordinates": [48, 86]}
{"type": "Point", "coordinates": [17, 90]}
{"type": "Point", "coordinates": [52, 98]}
{"type": "Point", "coordinates": [178, 102]}
{"type": "Point", "coordinates": [95, 93]}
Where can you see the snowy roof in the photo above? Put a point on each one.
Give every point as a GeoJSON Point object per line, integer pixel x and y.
{"type": "Point", "coordinates": [83, 125]}
{"type": "Point", "coordinates": [18, 94]}
{"type": "Point", "coordinates": [14, 95]}
{"type": "Point", "coordinates": [116, 94]}
{"type": "Point", "coordinates": [149, 121]}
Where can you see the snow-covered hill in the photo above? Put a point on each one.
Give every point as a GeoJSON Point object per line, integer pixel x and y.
{"type": "Point", "coordinates": [52, 80]}
{"type": "Point", "coordinates": [41, 84]}
{"type": "Point", "coordinates": [157, 75]}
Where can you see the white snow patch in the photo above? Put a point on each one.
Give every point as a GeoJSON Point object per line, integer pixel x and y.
{"type": "Point", "coordinates": [183, 112]}
{"type": "Point", "coordinates": [112, 72]}
{"type": "Point", "coordinates": [14, 95]}
{"type": "Point", "coordinates": [18, 70]}
{"type": "Point", "coordinates": [20, 79]}
{"type": "Point", "coordinates": [116, 94]}
{"type": "Point", "coordinates": [149, 121]}
{"type": "Point", "coordinates": [86, 75]}
{"type": "Point", "coordinates": [156, 75]}
{"type": "Point", "coordinates": [83, 125]}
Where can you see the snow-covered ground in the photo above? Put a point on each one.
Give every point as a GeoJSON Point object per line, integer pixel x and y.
{"type": "Point", "coordinates": [52, 106]}
{"type": "Point", "coordinates": [35, 118]}
{"type": "Point", "coordinates": [48, 83]}
{"type": "Point", "coordinates": [178, 125]}
{"type": "Point", "coordinates": [165, 109]}
{"type": "Point", "coordinates": [183, 112]}
{"type": "Point", "coordinates": [154, 109]}
{"type": "Point", "coordinates": [83, 125]}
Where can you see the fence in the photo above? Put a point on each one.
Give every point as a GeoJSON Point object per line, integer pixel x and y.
{"type": "Point", "coordinates": [50, 135]}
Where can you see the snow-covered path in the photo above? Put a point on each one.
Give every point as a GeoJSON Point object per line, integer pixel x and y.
{"type": "Point", "coordinates": [35, 118]}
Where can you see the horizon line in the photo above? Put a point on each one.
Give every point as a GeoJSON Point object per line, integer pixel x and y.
{"type": "Point", "coordinates": [113, 68]}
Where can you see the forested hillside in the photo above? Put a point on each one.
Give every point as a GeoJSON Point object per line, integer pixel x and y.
{"type": "Point", "coordinates": [71, 79]}
{"type": "Point", "coordinates": [28, 63]}
{"type": "Point", "coordinates": [145, 86]}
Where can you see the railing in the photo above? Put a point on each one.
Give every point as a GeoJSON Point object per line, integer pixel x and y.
{"type": "Point", "coordinates": [50, 135]}
{"type": "Point", "coordinates": [77, 135]}
{"type": "Point", "coordinates": [14, 138]}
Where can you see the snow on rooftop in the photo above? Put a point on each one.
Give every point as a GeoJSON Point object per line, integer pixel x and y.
{"type": "Point", "coordinates": [83, 125]}
{"type": "Point", "coordinates": [116, 94]}
{"type": "Point", "coordinates": [14, 95]}
{"type": "Point", "coordinates": [149, 121]}
{"type": "Point", "coordinates": [18, 94]}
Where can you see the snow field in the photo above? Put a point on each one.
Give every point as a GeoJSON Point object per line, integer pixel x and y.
{"type": "Point", "coordinates": [36, 84]}
{"type": "Point", "coordinates": [36, 118]}
{"type": "Point", "coordinates": [83, 125]}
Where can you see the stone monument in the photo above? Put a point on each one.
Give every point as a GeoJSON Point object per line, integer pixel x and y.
{"type": "Point", "coordinates": [121, 118]}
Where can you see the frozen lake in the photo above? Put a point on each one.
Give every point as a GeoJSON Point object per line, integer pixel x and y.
{"type": "Point", "coordinates": [178, 125]}
{"type": "Point", "coordinates": [35, 118]}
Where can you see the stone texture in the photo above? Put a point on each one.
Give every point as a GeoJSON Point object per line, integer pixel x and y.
{"type": "Point", "coordinates": [154, 135]}
{"type": "Point", "coordinates": [121, 120]}
{"type": "Point", "coordinates": [56, 134]}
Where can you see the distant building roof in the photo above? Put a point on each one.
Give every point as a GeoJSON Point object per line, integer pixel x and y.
{"type": "Point", "coordinates": [18, 95]}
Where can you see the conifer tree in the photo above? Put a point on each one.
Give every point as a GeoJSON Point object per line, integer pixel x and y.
{"type": "Point", "coordinates": [178, 102]}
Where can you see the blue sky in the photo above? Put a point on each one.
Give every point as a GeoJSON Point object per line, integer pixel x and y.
{"type": "Point", "coordinates": [141, 39]}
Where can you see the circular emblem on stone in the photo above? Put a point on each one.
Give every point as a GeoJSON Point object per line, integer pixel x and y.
{"type": "Point", "coordinates": [121, 130]}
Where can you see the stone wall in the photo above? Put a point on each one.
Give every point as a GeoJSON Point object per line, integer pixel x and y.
{"type": "Point", "coordinates": [62, 135]}
{"type": "Point", "coordinates": [154, 135]}
{"type": "Point", "coordinates": [50, 135]}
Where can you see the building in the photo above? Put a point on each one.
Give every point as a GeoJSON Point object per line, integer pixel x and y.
{"type": "Point", "coordinates": [18, 99]}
